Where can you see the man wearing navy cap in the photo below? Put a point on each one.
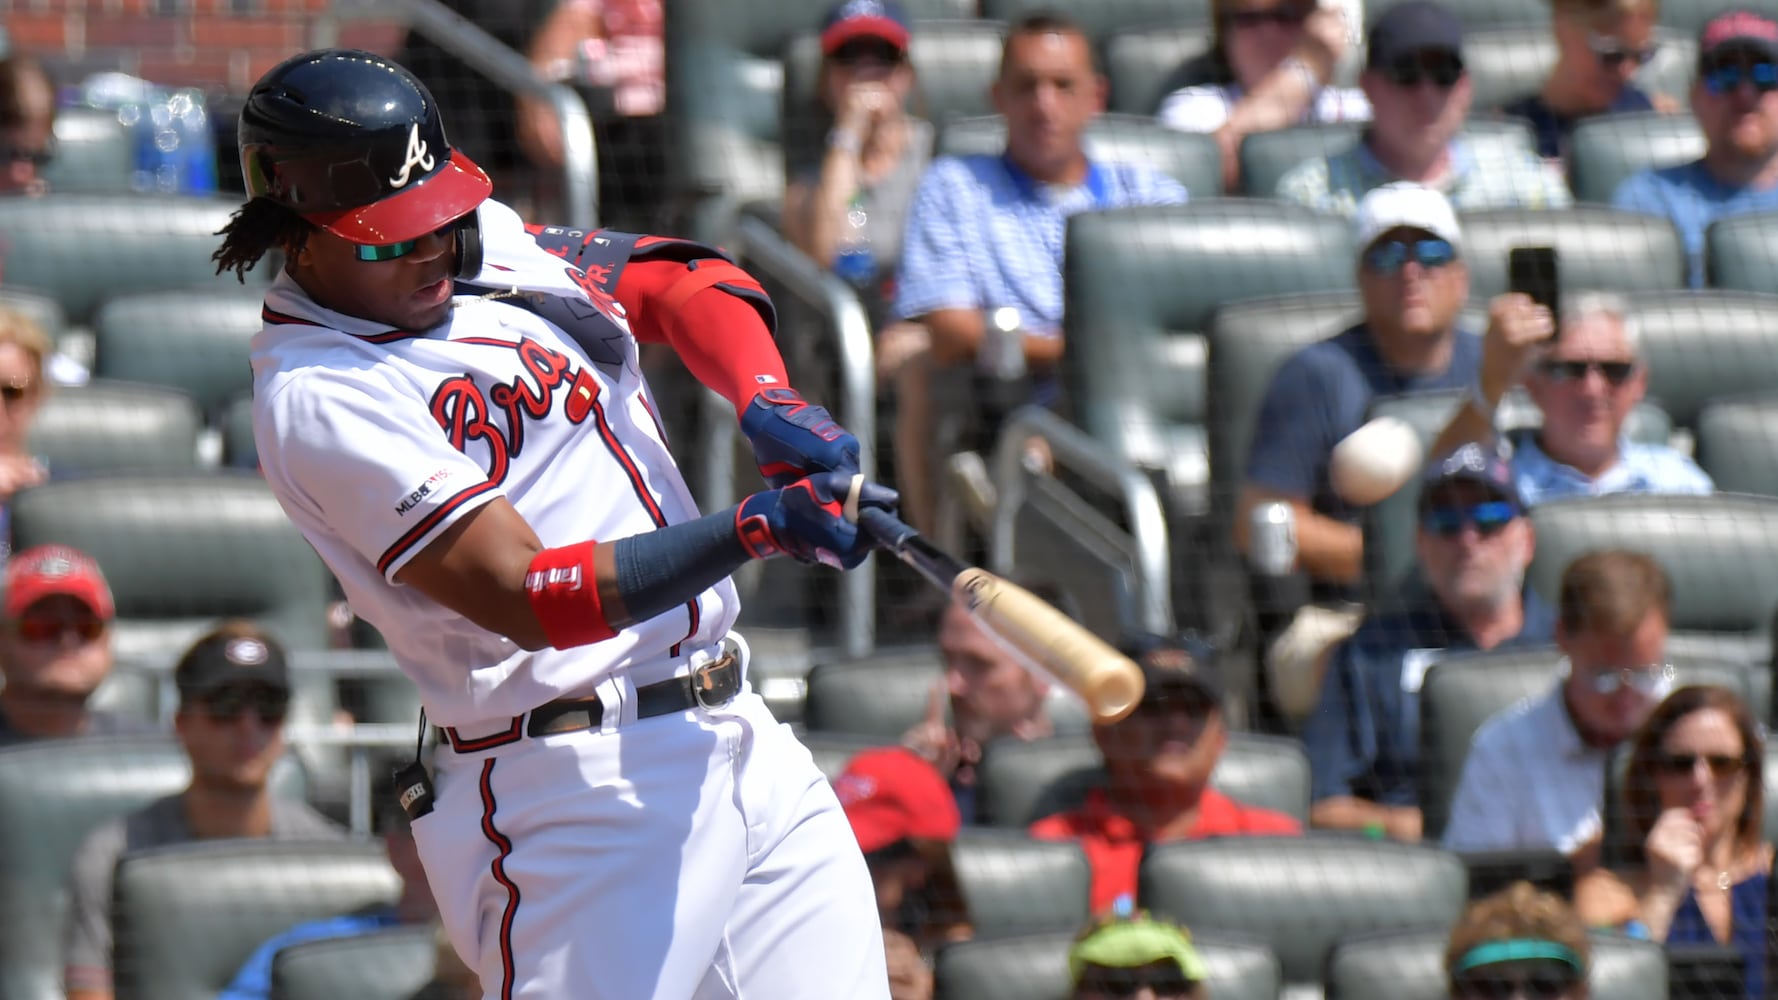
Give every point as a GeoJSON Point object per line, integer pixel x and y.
{"type": "Point", "coordinates": [1473, 546]}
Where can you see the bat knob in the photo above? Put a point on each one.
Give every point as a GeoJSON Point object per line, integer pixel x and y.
{"type": "Point", "coordinates": [1118, 691]}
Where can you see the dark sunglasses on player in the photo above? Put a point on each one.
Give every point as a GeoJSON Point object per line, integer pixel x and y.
{"type": "Point", "coordinates": [1614, 53]}
{"type": "Point", "coordinates": [1113, 982]}
{"type": "Point", "coordinates": [392, 251]}
{"type": "Point", "coordinates": [1728, 78]}
{"type": "Point", "coordinates": [1488, 517]}
{"type": "Point", "coordinates": [1482, 984]}
{"type": "Point", "coordinates": [1282, 17]}
{"type": "Point", "coordinates": [1391, 256]}
{"type": "Point", "coordinates": [1721, 765]}
{"type": "Point", "coordinates": [868, 50]}
{"type": "Point", "coordinates": [1615, 372]}
{"type": "Point", "coordinates": [52, 628]}
{"type": "Point", "coordinates": [226, 704]}
{"type": "Point", "coordinates": [1443, 69]}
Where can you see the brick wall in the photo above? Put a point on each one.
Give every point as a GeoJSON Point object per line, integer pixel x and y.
{"type": "Point", "coordinates": [214, 44]}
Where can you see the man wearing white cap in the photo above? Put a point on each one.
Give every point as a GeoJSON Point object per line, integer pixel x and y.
{"type": "Point", "coordinates": [1413, 281]}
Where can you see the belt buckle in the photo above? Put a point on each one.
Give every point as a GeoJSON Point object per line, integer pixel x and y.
{"type": "Point", "coordinates": [716, 683]}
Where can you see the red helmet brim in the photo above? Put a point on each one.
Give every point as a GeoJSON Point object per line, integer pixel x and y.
{"type": "Point", "coordinates": [422, 207]}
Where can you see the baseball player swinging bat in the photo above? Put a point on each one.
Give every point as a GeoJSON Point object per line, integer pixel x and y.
{"type": "Point", "coordinates": [1109, 682]}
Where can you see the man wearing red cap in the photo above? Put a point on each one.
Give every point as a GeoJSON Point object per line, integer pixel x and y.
{"type": "Point", "coordinates": [55, 649]}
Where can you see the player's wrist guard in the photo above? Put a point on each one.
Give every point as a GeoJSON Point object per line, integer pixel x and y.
{"type": "Point", "coordinates": [564, 593]}
{"type": "Point", "coordinates": [793, 438]}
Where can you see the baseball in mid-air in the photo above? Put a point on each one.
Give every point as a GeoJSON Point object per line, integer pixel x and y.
{"type": "Point", "coordinates": [1374, 461]}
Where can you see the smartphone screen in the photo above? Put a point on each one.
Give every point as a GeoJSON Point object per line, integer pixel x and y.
{"type": "Point", "coordinates": [1532, 271]}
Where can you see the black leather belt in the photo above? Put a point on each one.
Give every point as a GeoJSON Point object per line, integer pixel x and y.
{"type": "Point", "coordinates": [714, 684]}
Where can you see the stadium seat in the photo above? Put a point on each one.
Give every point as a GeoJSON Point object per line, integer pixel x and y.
{"type": "Point", "coordinates": [1478, 14]}
{"type": "Point", "coordinates": [1024, 781]}
{"type": "Point", "coordinates": [1100, 18]}
{"type": "Point", "coordinates": [1704, 346]}
{"type": "Point", "coordinates": [238, 449]}
{"type": "Point", "coordinates": [1738, 445]}
{"type": "Point", "coordinates": [1267, 156]}
{"type": "Point", "coordinates": [1146, 64]}
{"type": "Point", "coordinates": [833, 751]}
{"type": "Point", "coordinates": [1410, 965]}
{"type": "Point", "coordinates": [880, 696]}
{"type": "Point", "coordinates": [1302, 894]}
{"type": "Point", "coordinates": [195, 342]}
{"type": "Point", "coordinates": [1035, 967]}
{"type": "Point", "coordinates": [83, 249]}
{"type": "Point", "coordinates": [108, 426]}
{"type": "Point", "coordinates": [1507, 62]}
{"type": "Point", "coordinates": [52, 795]}
{"type": "Point", "coordinates": [1740, 252]}
{"type": "Point", "coordinates": [181, 551]}
{"type": "Point", "coordinates": [1606, 149]}
{"type": "Point", "coordinates": [95, 153]}
{"type": "Point", "coordinates": [37, 307]}
{"type": "Point", "coordinates": [390, 964]}
{"type": "Point", "coordinates": [1600, 248]}
{"type": "Point", "coordinates": [1189, 158]}
{"type": "Point", "coordinates": [1011, 882]}
{"type": "Point", "coordinates": [187, 916]}
{"type": "Point", "coordinates": [1690, 18]}
{"type": "Point", "coordinates": [1720, 551]}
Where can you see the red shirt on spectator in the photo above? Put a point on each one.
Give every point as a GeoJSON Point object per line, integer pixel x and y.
{"type": "Point", "coordinates": [1113, 842]}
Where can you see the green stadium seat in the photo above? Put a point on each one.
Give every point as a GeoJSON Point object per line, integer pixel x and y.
{"type": "Point", "coordinates": [105, 427]}
{"type": "Point", "coordinates": [1741, 252]}
{"type": "Point", "coordinates": [1508, 62]}
{"type": "Point", "coordinates": [1267, 156]}
{"type": "Point", "coordinates": [1605, 150]}
{"type": "Point", "coordinates": [83, 249]}
{"type": "Point", "coordinates": [238, 449]}
{"type": "Point", "coordinates": [390, 964]}
{"type": "Point", "coordinates": [1035, 967]}
{"type": "Point", "coordinates": [1738, 445]}
{"type": "Point", "coordinates": [185, 917]}
{"type": "Point", "coordinates": [195, 342]}
{"type": "Point", "coordinates": [95, 153]}
{"type": "Point", "coordinates": [1300, 895]}
{"type": "Point", "coordinates": [1146, 64]}
{"type": "Point", "coordinates": [1189, 158]}
{"type": "Point", "coordinates": [1600, 248]}
{"type": "Point", "coordinates": [1705, 346]}
{"type": "Point", "coordinates": [1409, 965]}
{"type": "Point", "coordinates": [1011, 882]}
{"type": "Point", "coordinates": [37, 307]}
{"type": "Point", "coordinates": [1101, 18]}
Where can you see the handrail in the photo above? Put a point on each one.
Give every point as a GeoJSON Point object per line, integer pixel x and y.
{"type": "Point", "coordinates": [1089, 458]}
{"type": "Point", "coordinates": [764, 250]}
{"type": "Point", "coordinates": [488, 56]}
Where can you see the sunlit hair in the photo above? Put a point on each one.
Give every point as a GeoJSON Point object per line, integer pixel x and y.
{"type": "Point", "coordinates": [256, 229]}
{"type": "Point", "coordinates": [1521, 911]}
{"type": "Point", "coordinates": [1046, 22]}
{"type": "Point", "coordinates": [19, 329]}
{"type": "Point", "coordinates": [1605, 10]}
{"type": "Point", "coordinates": [1611, 592]}
{"type": "Point", "coordinates": [1584, 305]}
{"type": "Point", "coordinates": [1642, 797]}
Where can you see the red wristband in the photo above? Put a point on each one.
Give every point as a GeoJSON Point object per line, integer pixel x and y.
{"type": "Point", "coordinates": [564, 593]}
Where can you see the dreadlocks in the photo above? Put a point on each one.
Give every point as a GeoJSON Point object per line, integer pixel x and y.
{"type": "Point", "coordinates": [255, 229]}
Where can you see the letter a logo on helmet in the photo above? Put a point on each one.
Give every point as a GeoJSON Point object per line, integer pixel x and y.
{"type": "Point", "coordinates": [416, 157]}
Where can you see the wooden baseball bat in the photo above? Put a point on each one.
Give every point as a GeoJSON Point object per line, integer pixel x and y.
{"type": "Point", "coordinates": [1109, 682]}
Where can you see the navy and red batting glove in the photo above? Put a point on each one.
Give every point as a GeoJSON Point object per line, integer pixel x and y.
{"type": "Point", "coordinates": [807, 521]}
{"type": "Point", "coordinates": [793, 438]}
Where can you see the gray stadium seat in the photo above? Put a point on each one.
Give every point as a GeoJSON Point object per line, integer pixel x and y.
{"type": "Point", "coordinates": [1508, 62]}
{"type": "Point", "coordinates": [1740, 252]}
{"type": "Point", "coordinates": [1605, 150]}
{"type": "Point", "coordinates": [1011, 882]}
{"type": "Point", "coordinates": [238, 449]}
{"type": "Point", "coordinates": [1302, 894]}
{"type": "Point", "coordinates": [1689, 18]}
{"type": "Point", "coordinates": [1144, 65]}
{"type": "Point", "coordinates": [1738, 445]}
{"type": "Point", "coordinates": [390, 964]}
{"type": "Point", "coordinates": [181, 551]}
{"type": "Point", "coordinates": [1267, 156]}
{"type": "Point", "coordinates": [1409, 965]}
{"type": "Point", "coordinates": [1035, 967]}
{"type": "Point", "coordinates": [95, 153]}
{"type": "Point", "coordinates": [37, 307]}
{"type": "Point", "coordinates": [833, 751]}
{"type": "Point", "coordinates": [187, 916]}
{"type": "Point", "coordinates": [1100, 18]}
{"type": "Point", "coordinates": [878, 697]}
{"type": "Point", "coordinates": [1478, 14]}
{"type": "Point", "coordinates": [1704, 346]}
{"type": "Point", "coordinates": [1189, 158]}
{"type": "Point", "coordinates": [1021, 782]}
{"type": "Point", "coordinates": [109, 426]}
{"type": "Point", "coordinates": [195, 342]}
{"type": "Point", "coordinates": [1600, 248]}
{"type": "Point", "coordinates": [83, 249]}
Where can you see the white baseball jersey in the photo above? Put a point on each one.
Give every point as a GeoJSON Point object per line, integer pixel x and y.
{"type": "Point", "coordinates": [377, 440]}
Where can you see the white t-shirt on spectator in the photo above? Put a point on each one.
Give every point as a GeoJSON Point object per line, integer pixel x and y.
{"type": "Point", "coordinates": [1528, 783]}
{"type": "Point", "coordinates": [1205, 107]}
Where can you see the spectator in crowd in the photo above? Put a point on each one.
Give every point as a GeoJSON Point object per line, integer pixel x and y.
{"type": "Point", "coordinates": [56, 648]}
{"type": "Point", "coordinates": [1694, 805]}
{"type": "Point", "coordinates": [990, 694]}
{"type": "Point", "coordinates": [1735, 100]}
{"type": "Point", "coordinates": [1600, 44]}
{"type": "Point", "coordinates": [27, 124]}
{"type": "Point", "coordinates": [1413, 281]}
{"type": "Point", "coordinates": [1158, 763]}
{"type": "Point", "coordinates": [1586, 381]}
{"type": "Point", "coordinates": [905, 821]}
{"type": "Point", "coordinates": [1136, 957]}
{"type": "Point", "coordinates": [985, 235]}
{"type": "Point", "coordinates": [614, 53]}
{"type": "Point", "coordinates": [25, 357]}
{"type": "Point", "coordinates": [415, 905]}
{"type": "Point", "coordinates": [1473, 545]}
{"type": "Point", "coordinates": [1272, 64]}
{"type": "Point", "coordinates": [1535, 775]}
{"type": "Point", "coordinates": [234, 691]}
{"type": "Point", "coordinates": [1519, 942]}
{"type": "Point", "coordinates": [1420, 93]}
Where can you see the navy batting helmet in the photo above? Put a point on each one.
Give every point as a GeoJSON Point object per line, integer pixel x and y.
{"type": "Point", "coordinates": [354, 144]}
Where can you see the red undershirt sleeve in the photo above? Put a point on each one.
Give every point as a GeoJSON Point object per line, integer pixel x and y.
{"type": "Point", "coordinates": [702, 310]}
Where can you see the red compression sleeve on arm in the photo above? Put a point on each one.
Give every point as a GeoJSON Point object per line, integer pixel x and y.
{"type": "Point", "coordinates": [720, 337]}
{"type": "Point", "coordinates": [564, 595]}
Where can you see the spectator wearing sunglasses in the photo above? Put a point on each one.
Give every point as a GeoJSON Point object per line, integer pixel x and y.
{"type": "Point", "coordinates": [234, 692]}
{"type": "Point", "coordinates": [1420, 94]}
{"type": "Point", "coordinates": [1535, 775]}
{"type": "Point", "coordinates": [1158, 763]}
{"type": "Point", "coordinates": [1519, 942]}
{"type": "Point", "coordinates": [1694, 803]}
{"type": "Point", "coordinates": [1136, 957]}
{"type": "Point", "coordinates": [1600, 45]}
{"type": "Point", "coordinates": [55, 649]}
{"type": "Point", "coordinates": [1272, 64]}
{"type": "Point", "coordinates": [27, 125]}
{"type": "Point", "coordinates": [1735, 99]}
{"type": "Point", "coordinates": [1472, 548]}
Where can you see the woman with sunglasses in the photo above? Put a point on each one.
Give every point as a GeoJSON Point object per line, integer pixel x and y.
{"type": "Point", "coordinates": [1272, 64]}
{"type": "Point", "coordinates": [1693, 804]}
{"type": "Point", "coordinates": [1600, 45]}
{"type": "Point", "coordinates": [1519, 942]}
{"type": "Point", "coordinates": [1136, 957]}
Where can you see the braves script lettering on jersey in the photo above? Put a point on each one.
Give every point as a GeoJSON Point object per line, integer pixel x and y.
{"type": "Point", "coordinates": [697, 854]}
